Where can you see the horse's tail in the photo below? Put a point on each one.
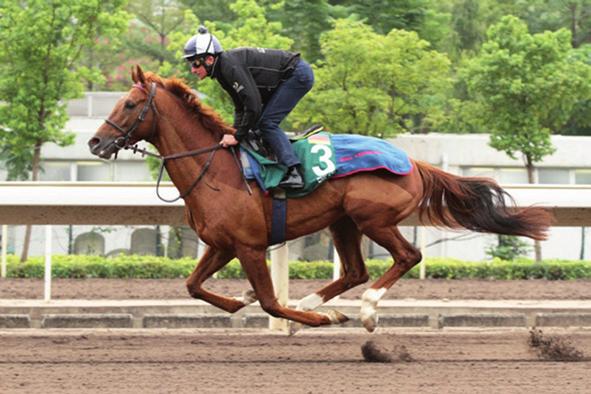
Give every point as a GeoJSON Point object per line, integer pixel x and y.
{"type": "Point", "coordinates": [477, 204]}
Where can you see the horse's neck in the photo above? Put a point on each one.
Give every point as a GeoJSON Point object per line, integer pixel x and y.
{"type": "Point", "coordinates": [183, 134]}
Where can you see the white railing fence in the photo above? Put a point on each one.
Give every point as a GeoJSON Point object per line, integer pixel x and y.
{"type": "Point", "coordinates": [50, 203]}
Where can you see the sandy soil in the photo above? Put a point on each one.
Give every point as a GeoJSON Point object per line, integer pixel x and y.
{"type": "Point", "coordinates": [406, 288]}
{"type": "Point", "coordinates": [193, 361]}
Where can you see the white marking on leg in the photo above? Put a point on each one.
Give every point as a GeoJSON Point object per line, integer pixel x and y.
{"type": "Point", "coordinates": [369, 300]}
{"type": "Point", "coordinates": [310, 302]}
{"type": "Point", "coordinates": [248, 297]}
{"type": "Point", "coordinates": [335, 316]}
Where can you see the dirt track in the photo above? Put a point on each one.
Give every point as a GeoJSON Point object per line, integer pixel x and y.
{"type": "Point", "coordinates": [406, 288]}
{"type": "Point", "coordinates": [311, 362]}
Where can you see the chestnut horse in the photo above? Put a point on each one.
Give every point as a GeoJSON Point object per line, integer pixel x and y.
{"type": "Point", "coordinates": [236, 223]}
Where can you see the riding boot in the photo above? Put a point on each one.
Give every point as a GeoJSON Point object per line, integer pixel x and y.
{"type": "Point", "coordinates": [293, 179]}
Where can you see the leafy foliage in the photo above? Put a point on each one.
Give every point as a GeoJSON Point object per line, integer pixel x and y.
{"type": "Point", "coordinates": [527, 87]}
{"type": "Point", "coordinates": [40, 42]}
{"type": "Point", "coordinates": [304, 21]}
{"type": "Point", "coordinates": [152, 267]}
{"type": "Point", "coordinates": [508, 248]}
{"type": "Point", "coordinates": [386, 15]}
{"type": "Point", "coordinates": [373, 84]}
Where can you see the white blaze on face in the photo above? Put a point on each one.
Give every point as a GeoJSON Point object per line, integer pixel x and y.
{"type": "Point", "coordinates": [310, 302]}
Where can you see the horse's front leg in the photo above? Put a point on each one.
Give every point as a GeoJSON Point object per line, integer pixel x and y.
{"type": "Point", "coordinates": [347, 241]}
{"type": "Point", "coordinates": [254, 265]}
{"type": "Point", "coordinates": [212, 261]}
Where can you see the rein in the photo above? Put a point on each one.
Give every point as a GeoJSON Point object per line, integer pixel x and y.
{"type": "Point", "coordinates": [123, 143]}
{"type": "Point", "coordinates": [210, 149]}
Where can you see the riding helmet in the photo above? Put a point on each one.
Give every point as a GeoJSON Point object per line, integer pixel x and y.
{"type": "Point", "coordinates": [201, 44]}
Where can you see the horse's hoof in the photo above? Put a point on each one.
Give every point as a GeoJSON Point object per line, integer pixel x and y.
{"type": "Point", "coordinates": [336, 317]}
{"type": "Point", "coordinates": [248, 297]}
{"type": "Point", "coordinates": [369, 315]}
{"type": "Point", "coordinates": [370, 321]}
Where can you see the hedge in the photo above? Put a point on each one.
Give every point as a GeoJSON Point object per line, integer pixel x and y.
{"type": "Point", "coordinates": [152, 267]}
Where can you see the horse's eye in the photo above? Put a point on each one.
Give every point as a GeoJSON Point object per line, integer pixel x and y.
{"type": "Point", "coordinates": [129, 104]}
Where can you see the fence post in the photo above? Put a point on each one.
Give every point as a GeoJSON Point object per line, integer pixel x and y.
{"type": "Point", "coordinates": [47, 289]}
{"type": "Point", "coordinates": [423, 248]}
{"type": "Point", "coordinates": [4, 247]}
{"type": "Point", "coordinates": [280, 278]}
{"type": "Point", "coordinates": [336, 267]}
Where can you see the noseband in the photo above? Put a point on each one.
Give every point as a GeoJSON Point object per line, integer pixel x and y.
{"type": "Point", "coordinates": [123, 141]}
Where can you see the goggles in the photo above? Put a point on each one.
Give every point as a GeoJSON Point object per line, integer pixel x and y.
{"type": "Point", "coordinates": [196, 62]}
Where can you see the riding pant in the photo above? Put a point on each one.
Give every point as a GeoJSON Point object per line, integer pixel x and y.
{"type": "Point", "coordinates": [283, 101]}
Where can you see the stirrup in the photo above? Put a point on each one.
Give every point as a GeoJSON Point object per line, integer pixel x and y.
{"type": "Point", "coordinates": [308, 132]}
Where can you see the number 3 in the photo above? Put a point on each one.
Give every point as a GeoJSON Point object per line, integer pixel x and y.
{"type": "Point", "coordinates": [325, 157]}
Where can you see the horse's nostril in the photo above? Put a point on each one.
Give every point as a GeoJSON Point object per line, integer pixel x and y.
{"type": "Point", "coordinates": [93, 142]}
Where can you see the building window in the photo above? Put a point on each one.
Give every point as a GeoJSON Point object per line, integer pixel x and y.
{"type": "Point", "coordinates": [488, 172]}
{"type": "Point", "coordinates": [583, 177]}
{"type": "Point", "coordinates": [501, 175]}
{"type": "Point", "coordinates": [554, 176]}
{"type": "Point", "coordinates": [132, 171]}
{"type": "Point", "coordinates": [96, 171]}
{"type": "Point", "coordinates": [512, 175]}
{"type": "Point", "coordinates": [55, 171]}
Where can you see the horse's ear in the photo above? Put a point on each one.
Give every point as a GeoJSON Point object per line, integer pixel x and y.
{"type": "Point", "coordinates": [133, 74]}
{"type": "Point", "coordinates": [137, 74]}
{"type": "Point", "coordinates": [140, 74]}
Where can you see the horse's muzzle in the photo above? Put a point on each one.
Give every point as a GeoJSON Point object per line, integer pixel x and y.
{"type": "Point", "coordinates": [103, 148]}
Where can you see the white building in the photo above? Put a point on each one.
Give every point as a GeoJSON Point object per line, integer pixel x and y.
{"type": "Point", "coordinates": [467, 154]}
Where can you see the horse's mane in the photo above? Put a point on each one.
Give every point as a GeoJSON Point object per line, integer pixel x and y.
{"type": "Point", "coordinates": [209, 118]}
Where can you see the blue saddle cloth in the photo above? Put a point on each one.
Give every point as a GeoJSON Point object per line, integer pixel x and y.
{"type": "Point", "coordinates": [357, 153]}
{"type": "Point", "coordinates": [353, 154]}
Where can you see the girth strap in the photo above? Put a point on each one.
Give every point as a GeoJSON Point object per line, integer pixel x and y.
{"type": "Point", "coordinates": [278, 220]}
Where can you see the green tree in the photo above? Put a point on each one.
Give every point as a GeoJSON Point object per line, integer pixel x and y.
{"type": "Point", "coordinates": [542, 15]}
{"type": "Point", "coordinates": [508, 248]}
{"type": "Point", "coordinates": [394, 83]}
{"type": "Point", "coordinates": [436, 26]}
{"type": "Point", "coordinates": [576, 16]}
{"type": "Point", "coordinates": [146, 42]}
{"type": "Point", "coordinates": [109, 62]}
{"type": "Point", "coordinates": [385, 15]}
{"type": "Point", "coordinates": [470, 21]}
{"type": "Point", "coordinates": [580, 120]}
{"type": "Point", "coordinates": [527, 87]}
{"type": "Point", "coordinates": [218, 11]}
{"type": "Point", "coordinates": [303, 21]}
{"type": "Point", "coordinates": [40, 42]}
{"type": "Point", "coordinates": [154, 21]}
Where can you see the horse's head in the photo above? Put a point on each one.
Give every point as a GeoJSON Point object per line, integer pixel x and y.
{"type": "Point", "coordinates": [133, 119]}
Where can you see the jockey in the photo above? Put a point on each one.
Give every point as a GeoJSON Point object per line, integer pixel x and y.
{"type": "Point", "coordinates": [264, 84]}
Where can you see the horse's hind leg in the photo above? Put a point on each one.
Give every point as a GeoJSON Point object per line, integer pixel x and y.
{"type": "Point", "coordinates": [254, 264]}
{"type": "Point", "coordinates": [212, 261]}
{"type": "Point", "coordinates": [347, 239]}
{"type": "Point", "coordinates": [405, 257]}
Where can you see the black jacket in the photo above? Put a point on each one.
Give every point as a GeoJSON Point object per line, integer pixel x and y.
{"type": "Point", "coordinates": [251, 76]}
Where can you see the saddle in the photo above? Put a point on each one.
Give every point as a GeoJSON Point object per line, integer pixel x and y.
{"type": "Point", "coordinates": [324, 155]}
{"type": "Point", "coordinates": [254, 141]}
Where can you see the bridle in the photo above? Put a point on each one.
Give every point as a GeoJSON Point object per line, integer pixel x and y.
{"type": "Point", "coordinates": [123, 143]}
